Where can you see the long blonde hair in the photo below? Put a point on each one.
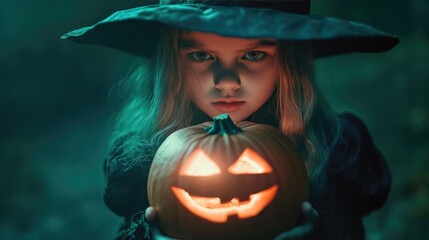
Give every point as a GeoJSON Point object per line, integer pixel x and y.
{"type": "Point", "coordinates": [159, 104]}
{"type": "Point", "coordinates": [303, 113]}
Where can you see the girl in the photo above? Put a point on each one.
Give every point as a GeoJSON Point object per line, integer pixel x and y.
{"type": "Point", "coordinates": [253, 60]}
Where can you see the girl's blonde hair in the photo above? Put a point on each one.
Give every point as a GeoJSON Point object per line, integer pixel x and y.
{"type": "Point", "coordinates": [303, 113]}
{"type": "Point", "coordinates": [158, 104]}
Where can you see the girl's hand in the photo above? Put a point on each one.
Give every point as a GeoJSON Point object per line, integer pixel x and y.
{"type": "Point", "coordinates": [151, 219]}
{"type": "Point", "coordinates": [298, 232]}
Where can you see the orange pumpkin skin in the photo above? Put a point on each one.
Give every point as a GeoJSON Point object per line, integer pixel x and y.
{"type": "Point", "coordinates": [288, 173]}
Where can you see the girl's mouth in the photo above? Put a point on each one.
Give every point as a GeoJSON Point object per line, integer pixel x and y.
{"type": "Point", "coordinates": [227, 107]}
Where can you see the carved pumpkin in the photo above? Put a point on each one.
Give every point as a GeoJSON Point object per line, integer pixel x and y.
{"type": "Point", "coordinates": [224, 181]}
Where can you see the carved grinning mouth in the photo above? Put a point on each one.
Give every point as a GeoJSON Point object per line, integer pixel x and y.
{"type": "Point", "coordinates": [214, 210]}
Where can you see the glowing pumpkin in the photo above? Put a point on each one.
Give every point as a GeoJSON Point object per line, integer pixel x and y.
{"type": "Point", "coordinates": [224, 181]}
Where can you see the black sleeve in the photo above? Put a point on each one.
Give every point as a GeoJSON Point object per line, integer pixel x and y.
{"type": "Point", "coordinates": [358, 182]}
{"type": "Point", "coordinates": [126, 182]}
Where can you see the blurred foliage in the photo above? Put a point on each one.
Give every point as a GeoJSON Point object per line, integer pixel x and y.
{"type": "Point", "coordinates": [56, 114]}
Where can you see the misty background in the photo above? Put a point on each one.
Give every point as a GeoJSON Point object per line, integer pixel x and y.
{"type": "Point", "coordinates": [57, 103]}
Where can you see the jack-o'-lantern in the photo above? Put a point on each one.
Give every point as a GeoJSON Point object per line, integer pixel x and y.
{"type": "Point", "coordinates": [225, 181]}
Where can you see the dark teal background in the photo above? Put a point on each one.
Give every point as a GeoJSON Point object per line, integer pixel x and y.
{"type": "Point", "coordinates": [56, 105]}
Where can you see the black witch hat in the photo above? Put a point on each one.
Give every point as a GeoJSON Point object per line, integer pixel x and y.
{"type": "Point", "coordinates": [137, 30]}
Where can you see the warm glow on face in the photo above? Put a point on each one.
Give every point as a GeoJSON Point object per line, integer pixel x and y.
{"type": "Point", "coordinates": [213, 210]}
{"type": "Point", "coordinates": [199, 164]}
{"type": "Point", "coordinates": [250, 162]}
{"type": "Point", "coordinates": [229, 55]}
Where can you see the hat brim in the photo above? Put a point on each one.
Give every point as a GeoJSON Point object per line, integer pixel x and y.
{"type": "Point", "coordinates": [137, 30]}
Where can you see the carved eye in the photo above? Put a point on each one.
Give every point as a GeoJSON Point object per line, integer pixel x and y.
{"type": "Point", "coordinates": [250, 162]}
{"type": "Point", "coordinates": [199, 164]}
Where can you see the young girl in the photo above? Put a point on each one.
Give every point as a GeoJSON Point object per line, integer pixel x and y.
{"type": "Point", "coordinates": [254, 61]}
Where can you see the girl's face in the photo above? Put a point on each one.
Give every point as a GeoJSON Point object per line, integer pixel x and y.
{"type": "Point", "coordinates": [228, 75]}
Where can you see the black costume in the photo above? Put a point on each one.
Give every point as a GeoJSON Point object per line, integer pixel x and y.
{"type": "Point", "coordinates": [358, 182]}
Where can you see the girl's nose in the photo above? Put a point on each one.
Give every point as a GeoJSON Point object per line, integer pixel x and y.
{"type": "Point", "coordinates": [228, 84]}
{"type": "Point", "coordinates": [227, 80]}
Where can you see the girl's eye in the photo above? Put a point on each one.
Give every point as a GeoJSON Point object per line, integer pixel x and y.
{"type": "Point", "coordinates": [200, 56]}
{"type": "Point", "coordinates": [254, 55]}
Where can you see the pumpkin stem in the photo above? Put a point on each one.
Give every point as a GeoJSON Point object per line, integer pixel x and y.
{"type": "Point", "coordinates": [222, 124]}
